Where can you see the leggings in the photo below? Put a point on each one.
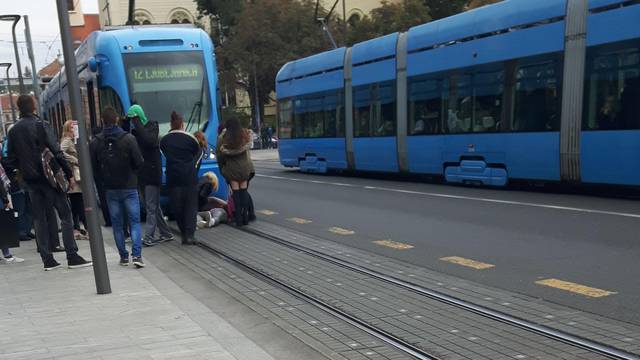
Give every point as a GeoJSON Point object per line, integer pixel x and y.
{"type": "Point", "coordinates": [77, 209]}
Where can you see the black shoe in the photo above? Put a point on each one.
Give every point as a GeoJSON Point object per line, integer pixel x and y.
{"type": "Point", "coordinates": [149, 243]}
{"type": "Point", "coordinates": [252, 217]}
{"type": "Point", "coordinates": [188, 240]}
{"type": "Point", "coordinates": [51, 264]}
{"type": "Point", "coordinates": [31, 235]}
{"type": "Point", "coordinates": [26, 238]}
{"type": "Point", "coordinates": [124, 262]}
{"type": "Point", "coordinates": [57, 249]}
{"type": "Point", "coordinates": [76, 261]}
{"type": "Point", "coordinates": [166, 238]}
{"type": "Point", "coordinates": [137, 261]}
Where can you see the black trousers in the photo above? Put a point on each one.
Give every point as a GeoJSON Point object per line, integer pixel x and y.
{"type": "Point", "coordinates": [184, 208]}
{"type": "Point", "coordinates": [43, 199]}
{"type": "Point", "coordinates": [102, 195]}
{"type": "Point", "coordinates": [77, 210]}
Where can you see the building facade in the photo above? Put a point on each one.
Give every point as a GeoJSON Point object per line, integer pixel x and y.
{"type": "Point", "coordinates": [356, 9]}
{"type": "Point", "coordinates": [115, 12]}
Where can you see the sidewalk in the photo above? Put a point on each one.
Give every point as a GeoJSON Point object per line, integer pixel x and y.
{"type": "Point", "coordinates": [57, 315]}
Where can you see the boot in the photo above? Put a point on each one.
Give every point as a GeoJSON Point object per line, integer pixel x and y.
{"type": "Point", "coordinates": [239, 208]}
{"type": "Point", "coordinates": [244, 195]}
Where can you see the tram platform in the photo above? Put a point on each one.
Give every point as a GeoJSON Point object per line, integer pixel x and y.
{"type": "Point", "coordinates": [58, 315]}
{"type": "Point", "coordinates": [269, 292]}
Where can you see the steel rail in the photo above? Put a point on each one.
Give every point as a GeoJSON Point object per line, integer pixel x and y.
{"type": "Point", "coordinates": [382, 335]}
{"type": "Point", "coordinates": [555, 334]}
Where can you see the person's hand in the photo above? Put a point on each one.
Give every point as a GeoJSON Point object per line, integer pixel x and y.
{"type": "Point", "coordinates": [72, 183]}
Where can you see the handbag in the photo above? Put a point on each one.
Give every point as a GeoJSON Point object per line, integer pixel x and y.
{"type": "Point", "coordinates": [76, 174]}
{"type": "Point", "coordinates": [52, 169]}
{"type": "Point", "coordinates": [9, 228]}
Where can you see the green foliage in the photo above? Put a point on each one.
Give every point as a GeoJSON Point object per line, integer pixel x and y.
{"type": "Point", "coordinates": [242, 116]}
{"type": "Point", "coordinates": [439, 9]}
{"type": "Point", "coordinates": [389, 18]}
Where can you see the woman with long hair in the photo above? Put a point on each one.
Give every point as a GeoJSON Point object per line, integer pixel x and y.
{"type": "Point", "coordinates": [236, 166]}
{"type": "Point", "coordinates": [68, 146]}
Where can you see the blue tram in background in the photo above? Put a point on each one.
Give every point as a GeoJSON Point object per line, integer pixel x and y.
{"type": "Point", "coordinates": [536, 90]}
{"type": "Point", "coordinates": [162, 68]}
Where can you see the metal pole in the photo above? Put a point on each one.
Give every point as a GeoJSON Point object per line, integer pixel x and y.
{"type": "Point", "coordinates": [344, 22]}
{"type": "Point", "coordinates": [132, 8]}
{"type": "Point", "coordinates": [15, 50]}
{"type": "Point", "coordinates": [13, 107]}
{"type": "Point", "coordinates": [255, 79]}
{"type": "Point", "coordinates": [100, 271]}
{"type": "Point", "coordinates": [34, 73]}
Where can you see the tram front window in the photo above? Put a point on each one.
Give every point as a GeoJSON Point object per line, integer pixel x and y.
{"type": "Point", "coordinates": [166, 82]}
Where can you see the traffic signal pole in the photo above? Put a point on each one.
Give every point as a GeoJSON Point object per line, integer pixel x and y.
{"type": "Point", "coordinates": [100, 271]}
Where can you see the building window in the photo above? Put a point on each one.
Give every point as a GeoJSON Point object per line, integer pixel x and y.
{"type": "Point", "coordinates": [71, 6]}
{"type": "Point", "coordinates": [142, 17]}
{"type": "Point", "coordinates": [180, 17]}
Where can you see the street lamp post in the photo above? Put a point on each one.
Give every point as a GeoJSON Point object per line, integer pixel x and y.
{"type": "Point", "coordinates": [34, 73]}
{"type": "Point", "coordinates": [13, 109]}
{"type": "Point", "coordinates": [15, 19]}
{"type": "Point", "coordinates": [100, 271]}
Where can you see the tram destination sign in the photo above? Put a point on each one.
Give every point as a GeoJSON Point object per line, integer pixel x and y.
{"type": "Point", "coordinates": [165, 77]}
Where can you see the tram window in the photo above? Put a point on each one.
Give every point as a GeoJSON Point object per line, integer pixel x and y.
{"type": "Point", "coordinates": [375, 110]}
{"type": "Point", "coordinates": [612, 87]}
{"type": "Point", "coordinates": [425, 106]}
{"type": "Point", "coordinates": [285, 119]}
{"type": "Point", "coordinates": [537, 95]}
{"type": "Point", "coordinates": [108, 97]}
{"type": "Point", "coordinates": [330, 115]}
{"type": "Point", "coordinates": [460, 114]}
{"type": "Point", "coordinates": [487, 107]}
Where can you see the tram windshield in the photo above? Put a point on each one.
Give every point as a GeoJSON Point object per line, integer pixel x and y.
{"type": "Point", "coordinates": [170, 81]}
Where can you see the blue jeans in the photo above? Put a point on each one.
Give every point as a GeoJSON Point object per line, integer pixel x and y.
{"type": "Point", "coordinates": [127, 202]}
{"type": "Point", "coordinates": [22, 205]}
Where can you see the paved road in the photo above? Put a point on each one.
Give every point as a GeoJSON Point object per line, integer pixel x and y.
{"type": "Point", "coordinates": [591, 243]}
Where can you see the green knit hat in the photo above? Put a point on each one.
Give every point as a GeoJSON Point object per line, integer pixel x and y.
{"type": "Point", "coordinates": [136, 111]}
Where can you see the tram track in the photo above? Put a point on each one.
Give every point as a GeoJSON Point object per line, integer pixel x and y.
{"type": "Point", "coordinates": [392, 340]}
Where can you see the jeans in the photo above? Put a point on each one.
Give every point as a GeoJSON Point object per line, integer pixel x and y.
{"type": "Point", "coordinates": [21, 205]}
{"type": "Point", "coordinates": [43, 199]}
{"type": "Point", "coordinates": [155, 218]}
{"type": "Point", "coordinates": [6, 253]}
{"type": "Point", "coordinates": [184, 206]}
{"type": "Point", "coordinates": [121, 202]}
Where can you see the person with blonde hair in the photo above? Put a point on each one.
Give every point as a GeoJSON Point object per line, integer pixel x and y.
{"type": "Point", "coordinates": [211, 210]}
{"type": "Point", "coordinates": [68, 146]}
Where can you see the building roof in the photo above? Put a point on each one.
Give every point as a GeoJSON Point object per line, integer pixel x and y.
{"type": "Point", "coordinates": [4, 102]}
{"type": "Point", "coordinates": [50, 70]}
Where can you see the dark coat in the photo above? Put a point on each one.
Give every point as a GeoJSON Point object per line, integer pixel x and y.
{"type": "Point", "coordinates": [183, 154]}
{"type": "Point", "coordinates": [235, 164]}
{"type": "Point", "coordinates": [24, 151]}
{"type": "Point", "coordinates": [148, 140]}
{"type": "Point", "coordinates": [127, 177]}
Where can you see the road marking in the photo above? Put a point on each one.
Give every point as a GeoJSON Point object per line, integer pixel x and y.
{"type": "Point", "coordinates": [298, 220]}
{"type": "Point", "coordinates": [467, 262]}
{"type": "Point", "coordinates": [341, 231]}
{"type": "Point", "coordinates": [472, 198]}
{"type": "Point", "coordinates": [394, 244]}
{"type": "Point", "coordinates": [266, 212]}
{"type": "Point", "coordinates": [575, 288]}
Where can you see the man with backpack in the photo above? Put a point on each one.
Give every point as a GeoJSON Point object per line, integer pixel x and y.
{"type": "Point", "coordinates": [34, 153]}
{"type": "Point", "coordinates": [146, 132]}
{"type": "Point", "coordinates": [117, 156]}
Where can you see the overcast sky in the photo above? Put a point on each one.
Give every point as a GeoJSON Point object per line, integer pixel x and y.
{"type": "Point", "coordinates": [45, 31]}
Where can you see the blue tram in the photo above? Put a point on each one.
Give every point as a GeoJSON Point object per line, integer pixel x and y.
{"type": "Point", "coordinates": [164, 68]}
{"type": "Point", "coordinates": [536, 90]}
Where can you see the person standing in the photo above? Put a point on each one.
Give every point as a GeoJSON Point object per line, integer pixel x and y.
{"type": "Point", "coordinates": [5, 184]}
{"type": "Point", "coordinates": [236, 166]}
{"type": "Point", "coordinates": [116, 153]}
{"type": "Point", "coordinates": [27, 140]}
{"type": "Point", "coordinates": [20, 199]}
{"type": "Point", "coordinates": [146, 132]}
{"type": "Point", "coordinates": [183, 154]}
{"type": "Point", "coordinates": [68, 146]}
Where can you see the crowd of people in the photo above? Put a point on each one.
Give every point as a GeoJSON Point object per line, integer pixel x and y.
{"type": "Point", "coordinates": [40, 179]}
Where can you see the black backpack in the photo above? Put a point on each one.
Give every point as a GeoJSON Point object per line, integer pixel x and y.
{"type": "Point", "coordinates": [115, 164]}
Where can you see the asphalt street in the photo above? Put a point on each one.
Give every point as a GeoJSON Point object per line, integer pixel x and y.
{"type": "Point", "coordinates": [576, 250]}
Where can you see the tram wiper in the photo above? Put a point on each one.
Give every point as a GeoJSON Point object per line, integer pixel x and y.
{"type": "Point", "coordinates": [197, 108]}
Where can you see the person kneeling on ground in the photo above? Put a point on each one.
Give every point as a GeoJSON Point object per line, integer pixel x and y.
{"type": "Point", "coordinates": [211, 210]}
{"type": "Point", "coordinates": [116, 153]}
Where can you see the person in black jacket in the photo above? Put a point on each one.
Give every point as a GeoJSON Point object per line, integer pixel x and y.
{"type": "Point", "coordinates": [27, 140]}
{"type": "Point", "coordinates": [150, 174]}
{"type": "Point", "coordinates": [116, 153]}
{"type": "Point", "coordinates": [183, 155]}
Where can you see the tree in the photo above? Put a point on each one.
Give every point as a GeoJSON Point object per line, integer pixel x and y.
{"type": "Point", "coordinates": [473, 4]}
{"type": "Point", "coordinates": [389, 18]}
{"type": "Point", "coordinates": [439, 9]}
{"type": "Point", "coordinates": [257, 37]}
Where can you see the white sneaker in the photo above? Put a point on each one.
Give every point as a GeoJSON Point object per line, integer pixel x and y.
{"type": "Point", "coordinates": [13, 260]}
